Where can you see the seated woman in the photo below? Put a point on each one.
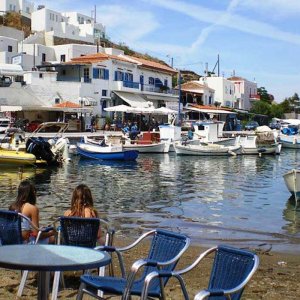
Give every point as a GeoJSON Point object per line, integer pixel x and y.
{"type": "Point", "coordinates": [82, 204]}
{"type": "Point", "coordinates": [26, 205]}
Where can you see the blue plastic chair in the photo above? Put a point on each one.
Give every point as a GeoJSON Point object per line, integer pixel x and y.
{"type": "Point", "coordinates": [165, 250]}
{"type": "Point", "coordinates": [232, 269]}
{"type": "Point", "coordinates": [11, 234]}
{"type": "Point", "coordinates": [80, 232]}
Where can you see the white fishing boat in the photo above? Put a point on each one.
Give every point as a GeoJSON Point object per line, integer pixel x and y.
{"type": "Point", "coordinates": [263, 142]}
{"type": "Point", "coordinates": [292, 182]}
{"type": "Point", "coordinates": [4, 124]}
{"type": "Point", "coordinates": [205, 149]}
{"type": "Point", "coordinates": [147, 142]}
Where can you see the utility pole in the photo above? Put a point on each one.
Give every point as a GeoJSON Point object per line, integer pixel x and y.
{"type": "Point", "coordinates": [179, 98]}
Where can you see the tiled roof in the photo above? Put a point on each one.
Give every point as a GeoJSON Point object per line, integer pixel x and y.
{"type": "Point", "coordinates": [99, 57]}
{"type": "Point", "coordinates": [68, 104]}
{"type": "Point", "coordinates": [149, 64]}
{"type": "Point", "coordinates": [236, 78]}
{"type": "Point", "coordinates": [193, 86]}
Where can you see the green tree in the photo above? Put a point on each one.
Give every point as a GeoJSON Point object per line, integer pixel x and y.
{"type": "Point", "coordinates": [276, 111]}
{"type": "Point", "coordinates": [264, 95]}
{"type": "Point", "coordinates": [261, 107]}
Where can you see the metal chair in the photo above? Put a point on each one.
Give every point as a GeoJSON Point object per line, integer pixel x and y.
{"type": "Point", "coordinates": [165, 250]}
{"type": "Point", "coordinates": [232, 269]}
{"type": "Point", "coordinates": [80, 232]}
{"type": "Point", "coordinates": [11, 234]}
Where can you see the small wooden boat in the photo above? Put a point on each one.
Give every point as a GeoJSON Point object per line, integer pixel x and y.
{"type": "Point", "coordinates": [105, 151]}
{"type": "Point", "coordinates": [148, 142]}
{"type": "Point", "coordinates": [204, 149]}
{"type": "Point", "coordinates": [292, 182]}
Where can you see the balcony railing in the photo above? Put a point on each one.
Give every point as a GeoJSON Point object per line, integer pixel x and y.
{"type": "Point", "coordinates": [68, 78]}
{"type": "Point", "coordinates": [131, 84]}
{"type": "Point", "coordinates": [161, 89]}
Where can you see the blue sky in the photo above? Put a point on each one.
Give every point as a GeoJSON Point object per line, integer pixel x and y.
{"type": "Point", "coordinates": [257, 39]}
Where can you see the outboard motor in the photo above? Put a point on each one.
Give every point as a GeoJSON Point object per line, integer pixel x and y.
{"type": "Point", "coordinates": [41, 149]}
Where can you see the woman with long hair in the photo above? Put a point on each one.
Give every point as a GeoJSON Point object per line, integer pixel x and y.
{"type": "Point", "coordinates": [26, 204]}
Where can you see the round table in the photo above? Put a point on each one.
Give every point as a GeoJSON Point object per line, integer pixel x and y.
{"type": "Point", "coordinates": [45, 258]}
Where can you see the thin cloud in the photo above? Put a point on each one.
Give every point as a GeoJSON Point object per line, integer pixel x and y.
{"type": "Point", "coordinates": [233, 21]}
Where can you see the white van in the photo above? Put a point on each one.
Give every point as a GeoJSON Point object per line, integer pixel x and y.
{"type": "Point", "coordinates": [4, 124]}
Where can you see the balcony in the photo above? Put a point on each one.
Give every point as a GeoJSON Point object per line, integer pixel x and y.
{"type": "Point", "coordinates": [126, 86]}
{"type": "Point", "coordinates": [158, 89]}
{"type": "Point", "coordinates": [254, 97]}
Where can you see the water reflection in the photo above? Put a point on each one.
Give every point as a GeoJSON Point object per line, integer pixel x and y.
{"type": "Point", "coordinates": [292, 215]}
{"type": "Point", "coordinates": [210, 198]}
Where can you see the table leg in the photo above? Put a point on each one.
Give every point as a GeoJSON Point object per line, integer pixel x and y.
{"type": "Point", "coordinates": [43, 285]}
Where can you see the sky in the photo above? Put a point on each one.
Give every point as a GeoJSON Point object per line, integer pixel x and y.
{"type": "Point", "coordinates": [258, 40]}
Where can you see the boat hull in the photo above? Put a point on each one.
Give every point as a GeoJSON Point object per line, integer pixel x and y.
{"type": "Point", "coordinates": [11, 157]}
{"type": "Point", "coordinates": [95, 152]}
{"type": "Point", "coordinates": [205, 150]}
{"type": "Point", "coordinates": [290, 141]}
{"type": "Point", "coordinates": [292, 182]}
{"type": "Point", "coordinates": [149, 148]}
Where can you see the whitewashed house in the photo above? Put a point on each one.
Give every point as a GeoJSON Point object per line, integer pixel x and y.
{"type": "Point", "coordinates": [224, 90]}
{"type": "Point", "coordinates": [24, 7]}
{"type": "Point", "coordinates": [62, 28]}
{"type": "Point", "coordinates": [245, 92]}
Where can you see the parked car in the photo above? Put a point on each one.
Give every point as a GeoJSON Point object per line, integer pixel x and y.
{"type": "Point", "coordinates": [275, 125]}
{"type": "Point", "coordinates": [252, 125]}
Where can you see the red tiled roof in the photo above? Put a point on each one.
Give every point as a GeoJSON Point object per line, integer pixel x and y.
{"type": "Point", "coordinates": [68, 104]}
{"type": "Point", "coordinates": [99, 57]}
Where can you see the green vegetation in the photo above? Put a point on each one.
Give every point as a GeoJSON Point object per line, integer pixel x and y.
{"type": "Point", "coordinates": [266, 106]}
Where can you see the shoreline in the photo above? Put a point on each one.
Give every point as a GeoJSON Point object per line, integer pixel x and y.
{"type": "Point", "coordinates": [276, 278]}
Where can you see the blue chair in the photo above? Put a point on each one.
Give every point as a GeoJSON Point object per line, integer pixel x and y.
{"type": "Point", "coordinates": [80, 232]}
{"type": "Point", "coordinates": [165, 250]}
{"type": "Point", "coordinates": [11, 234]}
{"type": "Point", "coordinates": [231, 270]}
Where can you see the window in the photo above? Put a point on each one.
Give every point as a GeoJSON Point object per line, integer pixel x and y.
{"type": "Point", "coordinates": [101, 73]}
{"type": "Point", "coordinates": [9, 48]}
{"type": "Point", "coordinates": [166, 82]}
{"type": "Point", "coordinates": [43, 57]}
{"type": "Point", "coordinates": [104, 93]}
{"type": "Point", "coordinates": [56, 100]}
{"type": "Point", "coordinates": [151, 80]}
{"type": "Point", "coordinates": [119, 76]}
{"type": "Point", "coordinates": [63, 58]}
{"type": "Point", "coordinates": [40, 75]}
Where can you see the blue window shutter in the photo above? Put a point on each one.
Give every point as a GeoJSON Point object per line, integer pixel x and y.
{"type": "Point", "coordinates": [106, 74]}
{"type": "Point", "coordinates": [116, 75]}
{"type": "Point", "coordinates": [95, 73]}
{"type": "Point", "coordinates": [122, 76]}
{"type": "Point", "coordinates": [126, 77]}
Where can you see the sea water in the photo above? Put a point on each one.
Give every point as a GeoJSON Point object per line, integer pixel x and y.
{"type": "Point", "coordinates": [234, 200]}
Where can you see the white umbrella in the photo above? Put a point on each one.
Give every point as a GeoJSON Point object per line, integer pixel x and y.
{"type": "Point", "coordinates": [120, 108]}
{"type": "Point", "coordinates": [165, 111]}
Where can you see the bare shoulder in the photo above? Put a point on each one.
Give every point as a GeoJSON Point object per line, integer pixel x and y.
{"type": "Point", "coordinates": [28, 209]}
{"type": "Point", "coordinates": [90, 212]}
{"type": "Point", "coordinates": [67, 213]}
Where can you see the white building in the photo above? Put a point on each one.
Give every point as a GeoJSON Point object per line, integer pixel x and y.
{"type": "Point", "coordinates": [224, 90]}
{"type": "Point", "coordinates": [99, 80]}
{"type": "Point", "coordinates": [24, 7]}
{"type": "Point", "coordinates": [67, 26]}
{"type": "Point", "coordinates": [245, 92]}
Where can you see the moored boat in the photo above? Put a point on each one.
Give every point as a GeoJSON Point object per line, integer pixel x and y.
{"type": "Point", "coordinates": [14, 157]}
{"type": "Point", "coordinates": [105, 151]}
{"type": "Point", "coordinates": [204, 149]}
{"type": "Point", "coordinates": [292, 182]}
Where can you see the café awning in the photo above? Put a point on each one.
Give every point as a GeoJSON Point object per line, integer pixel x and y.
{"type": "Point", "coordinates": [133, 100]}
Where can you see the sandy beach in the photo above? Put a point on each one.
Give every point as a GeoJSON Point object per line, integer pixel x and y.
{"type": "Point", "coordinates": [277, 277]}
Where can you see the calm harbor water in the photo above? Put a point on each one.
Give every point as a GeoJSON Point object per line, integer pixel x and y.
{"type": "Point", "coordinates": [212, 199]}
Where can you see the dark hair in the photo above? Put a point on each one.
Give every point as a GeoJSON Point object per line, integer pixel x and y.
{"type": "Point", "coordinates": [26, 194]}
{"type": "Point", "coordinates": [81, 199]}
